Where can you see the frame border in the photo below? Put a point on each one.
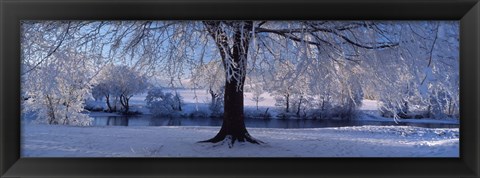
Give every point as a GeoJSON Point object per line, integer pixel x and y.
{"type": "Point", "coordinates": [13, 11]}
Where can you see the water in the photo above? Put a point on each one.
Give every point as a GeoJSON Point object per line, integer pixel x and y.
{"type": "Point", "coordinates": [257, 123]}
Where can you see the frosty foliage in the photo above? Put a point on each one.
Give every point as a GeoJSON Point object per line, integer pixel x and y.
{"type": "Point", "coordinates": [163, 104]}
{"type": "Point", "coordinates": [117, 84]}
{"type": "Point", "coordinates": [331, 91]}
{"type": "Point", "coordinates": [257, 92]}
{"type": "Point", "coordinates": [421, 77]}
{"type": "Point", "coordinates": [57, 93]}
{"type": "Point", "coordinates": [211, 77]}
{"type": "Point", "coordinates": [410, 67]}
{"type": "Point", "coordinates": [216, 103]}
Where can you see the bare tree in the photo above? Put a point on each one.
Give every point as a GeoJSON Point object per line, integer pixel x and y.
{"type": "Point", "coordinates": [257, 92]}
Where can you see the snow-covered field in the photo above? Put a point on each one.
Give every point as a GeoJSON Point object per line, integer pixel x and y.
{"type": "Point", "coordinates": [139, 141]}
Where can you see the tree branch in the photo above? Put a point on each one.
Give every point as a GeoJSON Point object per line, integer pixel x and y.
{"type": "Point", "coordinates": [51, 52]}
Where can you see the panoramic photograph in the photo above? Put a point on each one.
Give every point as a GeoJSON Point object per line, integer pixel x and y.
{"type": "Point", "coordinates": [323, 89]}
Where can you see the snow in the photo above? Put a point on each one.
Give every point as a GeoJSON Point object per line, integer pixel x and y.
{"type": "Point", "coordinates": [369, 105]}
{"type": "Point", "coordinates": [171, 141]}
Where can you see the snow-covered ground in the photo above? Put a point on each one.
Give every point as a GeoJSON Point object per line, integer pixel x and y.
{"type": "Point", "coordinates": [140, 141]}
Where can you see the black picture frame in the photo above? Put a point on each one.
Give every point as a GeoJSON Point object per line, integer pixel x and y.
{"type": "Point", "coordinates": [13, 11]}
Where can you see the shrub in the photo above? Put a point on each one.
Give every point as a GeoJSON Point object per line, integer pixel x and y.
{"type": "Point", "coordinates": [163, 104]}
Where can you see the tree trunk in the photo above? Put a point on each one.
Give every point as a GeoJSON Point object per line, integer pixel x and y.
{"type": "Point", "coordinates": [287, 100]}
{"type": "Point", "coordinates": [233, 126]}
{"type": "Point", "coordinates": [127, 105]}
{"type": "Point", "coordinates": [213, 95]}
{"type": "Point", "coordinates": [299, 106]}
{"type": "Point", "coordinates": [124, 102]}
{"type": "Point", "coordinates": [107, 97]}
{"type": "Point", "coordinates": [179, 102]}
{"type": "Point", "coordinates": [66, 121]}
{"type": "Point", "coordinates": [179, 105]}
{"type": "Point", "coordinates": [51, 111]}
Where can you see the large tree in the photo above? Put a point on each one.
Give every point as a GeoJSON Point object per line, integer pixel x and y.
{"type": "Point", "coordinates": [234, 59]}
{"type": "Point", "coordinates": [233, 40]}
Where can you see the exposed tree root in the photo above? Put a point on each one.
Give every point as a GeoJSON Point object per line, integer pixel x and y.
{"type": "Point", "coordinates": [232, 139]}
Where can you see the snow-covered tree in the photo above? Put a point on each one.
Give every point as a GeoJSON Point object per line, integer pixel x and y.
{"type": "Point", "coordinates": [426, 61]}
{"type": "Point", "coordinates": [282, 84]}
{"type": "Point", "coordinates": [289, 84]}
{"type": "Point", "coordinates": [120, 83]}
{"type": "Point", "coordinates": [212, 78]}
{"type": "Point", "coordinates": [105, 90]}
{"type": "Point", "coordinates": [162, 104]}
{"type": "Point", "coordinates": [216, 103]}
{"type": "Point", "coordinates": [178, 99]}
{"type": "Point", "coordinates": [56, 93]}
{"type": "Point", "coordinates": [257, 92]}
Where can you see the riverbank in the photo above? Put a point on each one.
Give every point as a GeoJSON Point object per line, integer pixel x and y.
{"type": "Point", "coordinates": [196, 106]}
